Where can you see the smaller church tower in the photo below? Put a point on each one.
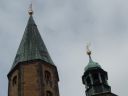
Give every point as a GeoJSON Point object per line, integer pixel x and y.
{"type": "Point", "coordinates": [95, 79]}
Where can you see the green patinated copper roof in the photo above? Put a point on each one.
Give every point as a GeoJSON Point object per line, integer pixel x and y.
{"type": "Point", "coordinates": [32, 46]}
{"type": "Point", "coordinates": [91, 65]}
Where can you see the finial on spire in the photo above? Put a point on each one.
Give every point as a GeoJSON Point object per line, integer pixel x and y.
{"type": "Point", "coordinates": [88, 50]}
{"type": "Point", "coordinates": [30, 11]}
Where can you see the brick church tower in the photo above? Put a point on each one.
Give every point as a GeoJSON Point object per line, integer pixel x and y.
{"type": "Point", "coordinates": [95, 79]}
{"type": "Point", "coordinates": [33, 72]}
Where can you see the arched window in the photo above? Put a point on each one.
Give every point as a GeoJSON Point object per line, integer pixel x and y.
{"type": "Point", "coordinates": [48, 78]}
{"type": "Point", "coordinates": [88, 81]}
{"type": "Point", "coordinates": [95, 78]}
{"type": "Point", "coordinates": [14, 80]}
{"type": "Point", "coordinates": [48, 93]}
{"type": "Point", "coordinates": [104, 79]}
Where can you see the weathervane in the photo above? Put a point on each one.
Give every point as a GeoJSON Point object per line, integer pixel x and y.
{"type": "Point", "coordinates": [30, 11]}
{"type": "Point", "coordinates": [88, 50]}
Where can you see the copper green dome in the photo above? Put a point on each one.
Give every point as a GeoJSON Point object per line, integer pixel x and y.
{"type": "Point", "coordinates": [92, 65]}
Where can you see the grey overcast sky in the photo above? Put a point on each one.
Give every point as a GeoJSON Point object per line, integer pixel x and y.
{"type": "Point", "coordinates": [66, 26]}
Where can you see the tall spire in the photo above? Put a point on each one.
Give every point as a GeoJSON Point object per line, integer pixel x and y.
{"type": "Point", "coordinates": [32, 46]}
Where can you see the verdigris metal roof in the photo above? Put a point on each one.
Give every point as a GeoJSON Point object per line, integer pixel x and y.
{"type": "Point", "coordinates": [91, 65]}
{"type": "Point", "coordinates": [32, 46]}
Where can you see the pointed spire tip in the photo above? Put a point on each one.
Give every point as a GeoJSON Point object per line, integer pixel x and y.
{"type": "Point", "coordinates": [30, 11]}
